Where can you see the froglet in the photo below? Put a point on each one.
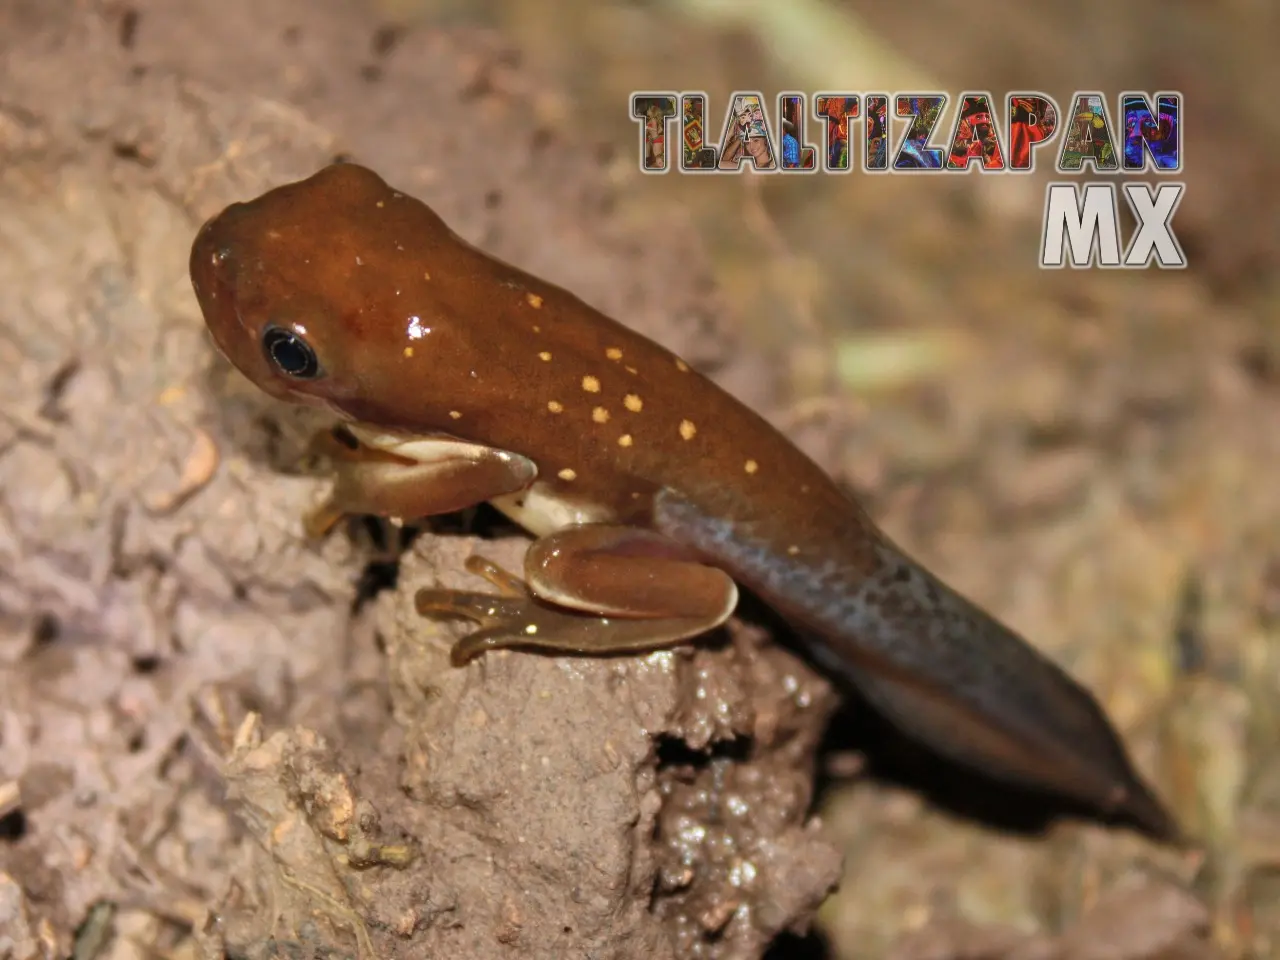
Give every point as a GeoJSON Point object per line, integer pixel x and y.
{"type": "Point", "coordinates": [651, 492]}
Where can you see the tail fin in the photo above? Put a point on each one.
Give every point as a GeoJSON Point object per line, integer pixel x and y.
{"type": "Point", "coordinates": [951, 676]}
{"type": "Point", "coordinates": [1094, 770]}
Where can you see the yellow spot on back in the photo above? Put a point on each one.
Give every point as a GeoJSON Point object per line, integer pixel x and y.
{"type": "Point", "coordinates": [381, 204]}
{"type": "Point", "coordinates": [534, 300]}
{"type": "Point", "coordinates": [632, 370]}
{"type": "Point", "coordinates": [457, 415]}
{"type": "Point", "coordinates": [751, 466]}
{"type": "Point", "coordinates": [624, 440]}
{"type": "Point", "coordinates": [590, 384]}
{"type": "Point", "coordinates": [426, 274]}
{"type": "Point", "coordinates": [681, 365]}
{"type": "Point", "coordinates": [613, 353]}
{"type": "Point", "coordinates": [531, 629]}
{"type": "Point", "coordinates": [408, 351]}
{"type": "Point", "coordinates": [600, 415]}
{"type": "Point", "coordinates": [793, 550]}
{"type": "Point", "coordinates": [555, 407]}
{"type": "Point", "coordinates": [544, 355]}
{"type": "Point", "coordinates": [687, 429]}
{"type": "Point", "coordinates": [567, 474]}
{"type": "Point", "coordinates": [536, 328]}
{"type": "Point", "coordinates": [633, 403]}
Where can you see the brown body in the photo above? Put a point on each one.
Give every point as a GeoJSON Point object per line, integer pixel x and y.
{"type": "Point", "coordinates": [509, 361]}
{"type": "Point", "coordinates": [646, 482]}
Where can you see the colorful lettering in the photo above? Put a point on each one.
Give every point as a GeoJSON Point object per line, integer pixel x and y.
{"type": "Point", "coordinates": [976, 136]}
{"type": "Point", "coordinates": [797, 156]}
{"type": "Point", "coordinates": [1088, 137]}
{"type": "Point", "coordinates": [1156, 133]}
{"type": "Point", "coordinates": [695, 156]}
{"type": "Point", "coordinates": [747, 136]}
{"type": "Point", "coordinates": [1150, 139]}
{"type": "Point", "coordinates": [1033, 120]}
{"type": "Point", "coordinates": [653, 110]}
{"type": "Point", "coordinates": [836, 110]}
{"type": "Point", "coordinates": [875, 153]}
{"type": "Point", "coordinates": [924, 112]}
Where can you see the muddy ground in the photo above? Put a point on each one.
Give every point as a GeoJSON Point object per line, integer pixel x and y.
{"type": "Point", "coordinates": [220, 739]}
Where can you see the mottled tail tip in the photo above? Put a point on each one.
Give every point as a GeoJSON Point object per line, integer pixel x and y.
{"type": "Point", "coordinates": [1141, 808]}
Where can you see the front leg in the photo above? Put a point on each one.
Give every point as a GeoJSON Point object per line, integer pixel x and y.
{"type": "Point", "coordinates": [615, 589]}
{"type": "Point", "coordinates": [405, 478]}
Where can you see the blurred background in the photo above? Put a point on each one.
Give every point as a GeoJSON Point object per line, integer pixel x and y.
{"type": "Point", "coordinates": [1092, 453]}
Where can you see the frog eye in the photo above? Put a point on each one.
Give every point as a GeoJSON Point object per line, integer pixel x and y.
{"type": "Point", "coordinates": [290, 353]}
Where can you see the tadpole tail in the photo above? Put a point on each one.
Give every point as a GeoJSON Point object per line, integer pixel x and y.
{"type": "Point", "coordinates": [963, 684]}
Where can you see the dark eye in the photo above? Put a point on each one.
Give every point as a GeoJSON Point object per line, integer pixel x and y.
{"type": "Point", "coordinates": [291, 354]}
